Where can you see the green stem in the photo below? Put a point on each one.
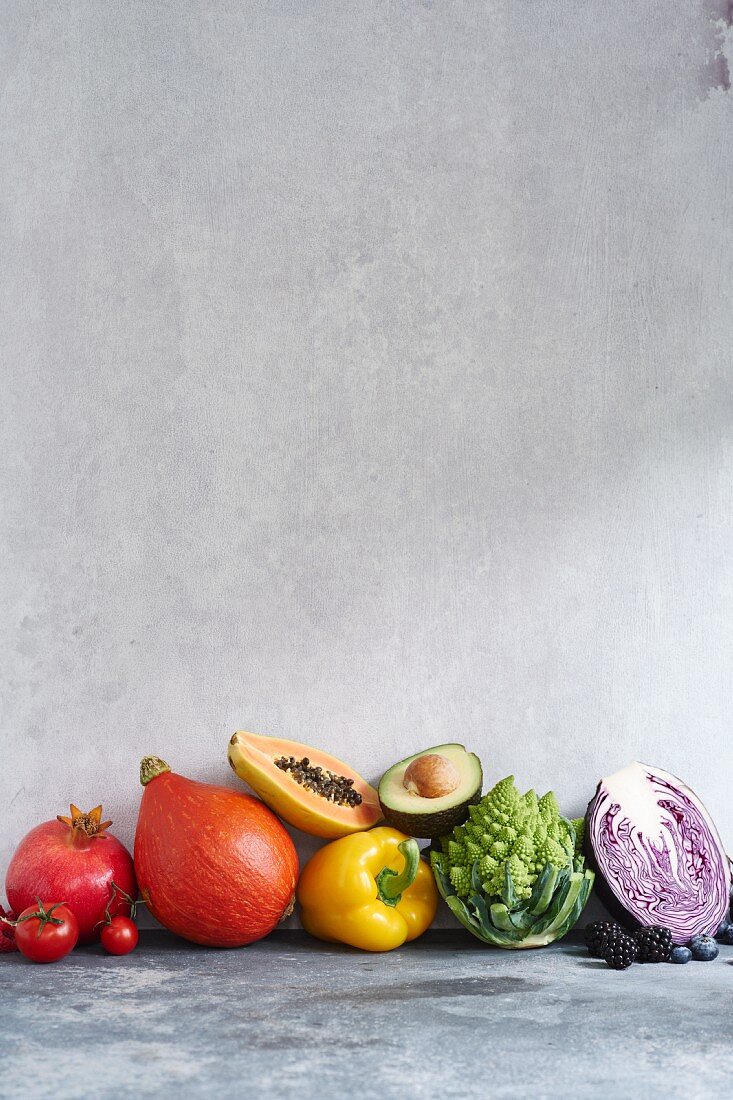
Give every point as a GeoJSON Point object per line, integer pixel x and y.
{"type": "Point", "coordinates": [114, 892]}
{"type": "Point", "coordinates": [43, 916]}
{"type": "Point", "coordinates": [150, 766]}
{"type": "Point", "coordinates": [392, 884]}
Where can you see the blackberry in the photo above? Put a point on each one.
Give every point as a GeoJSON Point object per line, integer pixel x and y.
{"type": "Point", "coordinates": [653, 944]}
{"type": "Point", "coordinates": [620, 951]}
{"type": "Point", "coordinates": [599, 935]}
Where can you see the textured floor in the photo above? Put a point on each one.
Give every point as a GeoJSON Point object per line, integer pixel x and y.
{"type": "Point", "coordinates": [289, 1018]}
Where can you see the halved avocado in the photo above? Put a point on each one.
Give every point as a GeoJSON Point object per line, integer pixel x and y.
{"type": "Point", "coordinates": [429, 793]}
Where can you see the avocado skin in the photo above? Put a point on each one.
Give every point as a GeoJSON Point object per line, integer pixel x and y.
{"type": "Point", "coordinates": [429, 825]}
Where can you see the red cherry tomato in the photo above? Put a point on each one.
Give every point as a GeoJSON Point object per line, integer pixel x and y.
{"type": "Point", "coordinates": [45, 933]}
{"type": "Point", "coordinates": [119, 937]}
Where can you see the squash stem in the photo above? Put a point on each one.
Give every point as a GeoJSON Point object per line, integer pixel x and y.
{"type": "Point", "coordinates": [391, 884]}
{"type": "Point", "coordinates": [150, 766]}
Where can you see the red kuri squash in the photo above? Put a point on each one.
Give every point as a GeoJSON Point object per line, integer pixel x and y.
{"type": "Point", "coordinates": [215, 866]}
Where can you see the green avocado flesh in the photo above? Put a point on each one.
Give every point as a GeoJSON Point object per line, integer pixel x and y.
{"type": "Point", "coordinates": [431, 817]}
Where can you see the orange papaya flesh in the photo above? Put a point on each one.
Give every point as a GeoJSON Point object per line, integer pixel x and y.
{"type": "Point", "coordinates": [308, 788]}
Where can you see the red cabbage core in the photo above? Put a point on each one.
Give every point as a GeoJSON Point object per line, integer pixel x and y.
{"type": "Point", "coordinates": [658, 852]}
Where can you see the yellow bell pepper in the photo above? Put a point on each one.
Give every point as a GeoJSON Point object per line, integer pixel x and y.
{"type": "Point", "coordinates": [370, 890]}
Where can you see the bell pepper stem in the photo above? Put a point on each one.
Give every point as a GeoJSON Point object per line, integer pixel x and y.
{"type": "Point", "coordinates": [391, 884]}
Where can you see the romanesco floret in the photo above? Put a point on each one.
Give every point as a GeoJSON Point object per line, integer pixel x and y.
{"type": "Point", "coordinates": [549, 809]}
{"type": "Point", "coordinates": [508, 830]}
{"type": "Point", "coordinates": [460, 878]}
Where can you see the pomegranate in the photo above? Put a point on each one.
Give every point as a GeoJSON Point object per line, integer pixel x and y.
{"type": "Point", "coordinates": [75, 860]}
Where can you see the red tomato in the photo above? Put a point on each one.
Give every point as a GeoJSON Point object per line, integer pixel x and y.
{"type": "Point", "coordinates": [45, 933]}
{"type": "Point", "coordinates": [119, 937]}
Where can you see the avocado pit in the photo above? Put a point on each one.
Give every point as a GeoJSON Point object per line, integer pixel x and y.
{"type": "Point", "coordinates": [431, 776]}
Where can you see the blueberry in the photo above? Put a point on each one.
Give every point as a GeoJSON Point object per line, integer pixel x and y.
{"type": "Point", "coordinates": [680, 955]}
{"type": "Point", "coordinates": [704, 948]}
{"type": "Point", "coordinates": [725, 931]}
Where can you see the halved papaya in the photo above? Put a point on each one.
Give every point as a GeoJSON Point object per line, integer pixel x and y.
{"type": "Point", "coordinates": [306, 787]}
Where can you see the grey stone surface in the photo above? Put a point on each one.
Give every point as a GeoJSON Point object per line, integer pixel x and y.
{"type": "Point", "coordinates": [366, 379]}
{"type": "Point", "coordinates": [289, 1018]}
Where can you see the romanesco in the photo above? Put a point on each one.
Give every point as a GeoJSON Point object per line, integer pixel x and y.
{"type": "Point", "coordinates": [513, 874]}
{"type": "Point", "coordinates": [508, 830]}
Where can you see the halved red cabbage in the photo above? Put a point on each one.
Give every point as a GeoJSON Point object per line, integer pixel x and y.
{"type": "Point", "coordinates": [657, 854]}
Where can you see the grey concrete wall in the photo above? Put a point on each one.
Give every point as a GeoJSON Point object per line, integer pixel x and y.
{"type": "Point", "coordinates": [366, 379]}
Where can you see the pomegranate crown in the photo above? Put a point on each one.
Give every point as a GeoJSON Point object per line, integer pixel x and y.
{"type": "Point", "coordinates": [89, 823]}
